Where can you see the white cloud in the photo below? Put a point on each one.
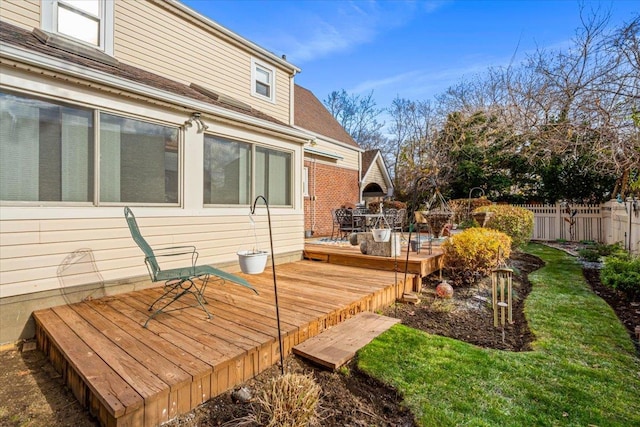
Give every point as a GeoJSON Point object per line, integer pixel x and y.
{"type": "Point", "coordinates": [338, 27]}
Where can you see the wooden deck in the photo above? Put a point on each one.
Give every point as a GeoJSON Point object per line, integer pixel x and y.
{"type": "Point", "coordinates": [127, 375]}
{"type": "Point", "coordinates": [419, 265]}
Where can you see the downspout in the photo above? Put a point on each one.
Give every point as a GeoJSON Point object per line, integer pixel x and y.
{"type": "Point", "coordinates": [360, 199]}
{"type": "Point", "coordinates": [313, 198]}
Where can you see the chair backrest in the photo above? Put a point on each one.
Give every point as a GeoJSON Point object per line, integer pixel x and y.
{"type": "Point", "coordinates": [344, 217]}
{"type": "Point", "coordinates": [150, 257]}
{"type": "Point", "coordinates": [401, 217]}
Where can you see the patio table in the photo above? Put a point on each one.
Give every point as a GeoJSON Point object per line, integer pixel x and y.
{"type": "Point", "coordinates": [371, 220]}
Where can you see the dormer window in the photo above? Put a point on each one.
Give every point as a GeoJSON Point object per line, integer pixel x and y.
{"type": "Point", "coordinates": [87, 21]}
{"type": "Point", "coordinates": [80, 20]}
{"type": "Point", "coordinates": [263, 78]}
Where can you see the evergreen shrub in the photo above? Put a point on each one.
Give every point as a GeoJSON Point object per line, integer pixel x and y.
{"type": "Point", "coordinates": [621, 271]}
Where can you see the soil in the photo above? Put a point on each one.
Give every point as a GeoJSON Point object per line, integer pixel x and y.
{"type": "Point", "coordinates": [33, 394]}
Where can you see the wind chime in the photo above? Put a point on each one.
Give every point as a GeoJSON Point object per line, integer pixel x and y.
{"type": "Point", "coordinates": [502, 293]}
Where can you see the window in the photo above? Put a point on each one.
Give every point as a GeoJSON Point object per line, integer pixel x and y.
{"type": "Point", "coordinates": [47, 152]}
{"type": "Point", "coordinates": [87, 21]}
{"type": "Point", "coordinates": [227, 172]}
{"type": "Point", "coordinates": [138, 161]}
{"type": "Point", "coordinates": [262, 77]}
{"type": "Point", "coordinates": [273, 172]}
{"type": "Point", "coordinates": [232, 169]}
{"type": "Point", "coordinates": [305, 182]}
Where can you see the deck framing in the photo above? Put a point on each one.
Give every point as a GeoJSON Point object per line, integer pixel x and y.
{"type": "Point", "coordinates": [127, 375]}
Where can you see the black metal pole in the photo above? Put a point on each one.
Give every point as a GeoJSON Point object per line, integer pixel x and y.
{"type": "Point", "coordinates": [411, 224]}
{"type": "Point", "coordinates": [273, 269]}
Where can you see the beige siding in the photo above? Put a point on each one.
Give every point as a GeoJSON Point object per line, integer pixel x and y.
{"type": "Point", "coordinates": [376, 175]}
{"type": "Point", "coordinates": [34, 251]}
{"type": "Point", "coordinates": [350, 156]}
{"type": "Point", "coordinates": [152, 38]}
{"type": "Point", "coordinates": [22, 13]}
{"type": "Point", "coordinates": [35, 241]}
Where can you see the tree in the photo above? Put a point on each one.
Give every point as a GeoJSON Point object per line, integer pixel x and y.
{"type": "Point", "coordinates": [358, 115]}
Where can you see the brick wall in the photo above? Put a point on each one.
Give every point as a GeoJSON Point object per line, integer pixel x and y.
{"type": "Point", "coordinates": [333, 187]}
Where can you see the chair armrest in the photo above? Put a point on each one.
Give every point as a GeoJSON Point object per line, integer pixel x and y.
{"type": "Point", "coordinates": [176, 251]}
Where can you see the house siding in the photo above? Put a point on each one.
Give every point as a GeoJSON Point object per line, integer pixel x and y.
{"type": "Point", "coordinates": [350, 157]}
{"type": "Point", "coordinates": [375, 175]}
{"type": "Point", "coordinates": [333, 187]}
{"type": "Point", "coordinates": [22, 13]}
{"type": "Point", "coordinates": [152, 37]}
{"type": "Point", "coordinates": [36, 241]}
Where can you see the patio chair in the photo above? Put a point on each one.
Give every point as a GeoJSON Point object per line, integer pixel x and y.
{"type": "Point", "coordinates": [178, 282]}
{"type": "Point", "coordinates": [336, 225]}
{"type": "Point", "coordinates": [348, 222]}
{"type": "Point", "coordinates": [396, 218]}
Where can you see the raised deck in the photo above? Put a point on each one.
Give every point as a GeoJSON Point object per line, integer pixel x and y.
{"type": "Point", "coordinates": [420, 264]}
{"type": "Point", "coordinates": [127, 375]}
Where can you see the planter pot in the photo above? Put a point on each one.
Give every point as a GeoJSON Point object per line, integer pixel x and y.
{"type": "Point", "coordinates": [381, 234]}
{"type": "Point", "coordinates": [252, 262]}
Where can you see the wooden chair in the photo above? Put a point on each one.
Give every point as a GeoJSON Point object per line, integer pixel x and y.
{"type": "Point", "coordinates": [178, 282]}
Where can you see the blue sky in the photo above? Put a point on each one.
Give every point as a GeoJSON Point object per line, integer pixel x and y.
{"type": "Point", "coordinates": [410, 49]}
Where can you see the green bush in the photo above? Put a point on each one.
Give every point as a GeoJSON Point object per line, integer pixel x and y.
{"type": "Point", "coordinates": [589, 255]}
{"type": "Point", "coordinates": [513, 221]}
{"type": "Point", "coordinates": [622, 272]}
{"type": "Point", "coordinates": [472, 254]}
{"type": "Point", "coordinates": [606, 250]}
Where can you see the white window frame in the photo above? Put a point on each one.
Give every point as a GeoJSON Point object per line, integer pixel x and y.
{"type": "Point", "coordinates": [49, 20]}
{"type": "Point", "coordinates": [305, 182]}
{"type": "Point", "coordinates": [95, 178]}
{"type": "Point", "coordinates": [259, 65]}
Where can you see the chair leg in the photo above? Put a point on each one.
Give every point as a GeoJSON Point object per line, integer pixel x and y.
{"type": "Point", "coordinates": [180, 290]}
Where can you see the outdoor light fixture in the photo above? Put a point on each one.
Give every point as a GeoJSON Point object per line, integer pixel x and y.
{"type": "Point", "coordinates": [195, 117]}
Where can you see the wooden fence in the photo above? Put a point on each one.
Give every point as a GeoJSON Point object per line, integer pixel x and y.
{"type": "Point", "coordinates": [608, 223]}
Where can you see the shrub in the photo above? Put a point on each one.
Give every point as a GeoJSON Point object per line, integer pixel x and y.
{"type": "Point", "coordinates": [606, 250]}
{"type": "Point", "coordinates": [622, 272]}
{"type": "Point", "coordinates": [291, 400]}
{"type": "Point", "coordinates": [513, 221]}
{"type": "Point", "coordinates": [589, 255]}
{"type": "Point", "coordinates": [387, 204]}
{"type": "Point", "coordinates": [472, 253]}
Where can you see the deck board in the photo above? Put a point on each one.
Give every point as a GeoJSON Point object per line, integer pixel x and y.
{"type": "Point", "coordinates": [336, 346]}
{"type": "Point", "coordinates": [418, 265]}
{"type": "Point", "coordinates": [129, 375]}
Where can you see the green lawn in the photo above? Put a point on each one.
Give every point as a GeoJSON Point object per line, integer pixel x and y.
{"type": "Point", "coordinates": [583, 370]}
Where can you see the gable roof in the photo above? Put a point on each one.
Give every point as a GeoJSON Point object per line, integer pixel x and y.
{"type": "Point", "coordinates": [367, 159]}
{"type": "Point", "coordinates": [27, 40]}
{"type": "Point", "coordinates": [371, 158]}
{"type": "Point", "coordinates": [312, 115]}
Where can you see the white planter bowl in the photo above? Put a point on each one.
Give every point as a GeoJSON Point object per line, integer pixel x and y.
{"type": "Point", "coordinates": [381, 234]}
{"type": "Point", "coordinates": [252, 262]}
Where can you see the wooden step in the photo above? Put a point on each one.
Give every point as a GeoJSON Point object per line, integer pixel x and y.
{"type": "Point", "coordinates": [337, 345]}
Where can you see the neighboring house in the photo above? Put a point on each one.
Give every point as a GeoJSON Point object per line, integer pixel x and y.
{"type": "Point", "coordinates": [375, 179]}
{"type": "Point", "coordinates": [337, 172]}
{"type": "Point", "coordinates": [332, 163]}
{"type": "Point", "coordinates": [147, 104]}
